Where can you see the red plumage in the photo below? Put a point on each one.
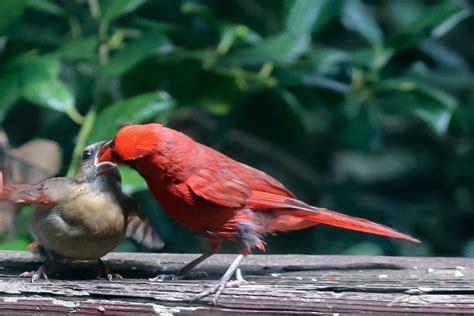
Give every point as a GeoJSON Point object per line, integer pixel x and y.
{"type": "Point", "coordinates": [215, 196]}
{"type": "Point", "coordinates": [211, 193]}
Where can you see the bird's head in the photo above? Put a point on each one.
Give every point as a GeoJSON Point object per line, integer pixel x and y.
{"type": "Point", "coordinates": [91, 168]}
{"type": "Point", "coordinates": [131, 144]}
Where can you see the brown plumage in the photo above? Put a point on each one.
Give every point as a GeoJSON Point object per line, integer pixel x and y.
{"type": "Point", "coordinates": [82, 217]}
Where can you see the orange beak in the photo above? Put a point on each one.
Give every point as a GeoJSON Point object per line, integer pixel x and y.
{"type": "Point", "coordinates": [105, 152]}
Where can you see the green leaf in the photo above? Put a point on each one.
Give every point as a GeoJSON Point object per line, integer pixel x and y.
{"type": "Point", "coordinates": [436, 20]}
{"type": "Point", "coordinates": [36, 79]}
{"type": "Point", "coordinates": [52, 94]}
{"type": "Point", "coordinates": [10, 10]}
{"type": "Point", "coordinates": [436, 117]}
{"type": "Point", "coordinates": [116, 8]}
{"type": "Point", "coordinates": [134, 110]}
{"type": "Point", "coordinates": [327, 60]}
{"type": "Point", "coordinates": [135, 52]}
{"type": "Point", "coordinates": [45, 6]}
{"type": "Point", "coordinates": [284, 47]}
{"type": "Point", "coordinates": [435, 16]}
{"type": "Point", "coordinates": [450, 22]}
{"type": "Point", "coordinates": [296, 108]}
{"type": "Point", "coordinates": [303, 14]}
{"type": "Point", "coordinates": [34, 68]}
{"type": "Point", "coordinates": [11, 92]}
{"type": "Point", "coordinates": [231, 33]}
{"type": "Point", "coordinates": [329, 11]}
{"type": "Point", "coordinates": [433, 106]}
{"type": "Point", "coordinates": [197, 9]}
{"type": "Point", "coordinates": [326, 83]}
{"type": "Point", "coordinates": [80, 48]}
{"type": "Point", "coordinates": [356, 17]}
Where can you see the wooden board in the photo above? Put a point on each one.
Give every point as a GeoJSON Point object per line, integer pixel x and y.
{"type": "Point", "coordinates": [278, 284]}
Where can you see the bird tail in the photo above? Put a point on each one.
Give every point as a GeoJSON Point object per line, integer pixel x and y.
{"type": "Point", "coordinates": [299, 209]}
{"type": "Point", "coordinates": [324, 216]}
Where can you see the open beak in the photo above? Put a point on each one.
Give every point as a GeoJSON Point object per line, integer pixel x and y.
{"type": "Point", "coordinates": [106, 167]}
{"type": "Point", "coordinates": [105, 152]}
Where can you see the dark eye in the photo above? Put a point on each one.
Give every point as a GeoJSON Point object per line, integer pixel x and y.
{"type": "Point", "coordinates": [86, 155]}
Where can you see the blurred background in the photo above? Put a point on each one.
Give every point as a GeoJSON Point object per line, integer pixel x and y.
{"type": "Point", "coordinates": [364, 107]}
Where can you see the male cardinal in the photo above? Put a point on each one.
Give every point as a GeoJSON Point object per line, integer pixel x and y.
{"type": "Point", "coordinates": [81, 217]}
{"type": "Point", "coordinates": [217, 197]}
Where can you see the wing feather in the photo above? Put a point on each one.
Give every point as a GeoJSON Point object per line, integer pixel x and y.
{"type": "Point", "coordinates": [229, 183]}
{"type": "Point", "coordinates": [142, 231]}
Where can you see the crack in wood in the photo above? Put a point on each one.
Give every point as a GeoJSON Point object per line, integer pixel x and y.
{"type": "Point", "coordinates": [277, 285]}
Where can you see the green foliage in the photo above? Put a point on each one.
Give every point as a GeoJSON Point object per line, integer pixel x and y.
{"type": "Point", "coordinates": [361, 106]}
{"type": "Point", "coordinates": [134, 110]}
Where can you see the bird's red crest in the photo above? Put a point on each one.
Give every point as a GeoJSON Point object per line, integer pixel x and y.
{"type": "Point", "coordinates": [136, 141]}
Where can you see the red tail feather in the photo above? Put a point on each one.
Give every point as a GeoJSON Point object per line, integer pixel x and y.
{"type": "Point", "coordinates": [264, 200]}
{"type": "Point", "coordinates": [324, 216]}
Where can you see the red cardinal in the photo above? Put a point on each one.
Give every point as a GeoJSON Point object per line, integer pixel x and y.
{"type": "Point", "coordinates": [217, 197]}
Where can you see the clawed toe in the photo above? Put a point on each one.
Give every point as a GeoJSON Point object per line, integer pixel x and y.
{"type": "Point", "coordinates": [35, 275]}
{"type": "Point", "coordinates": [165, 277]}
{"type": "Point", "coordinates": [105, 273]}
{"type": "Point", "coordinates": [218, 288]}
{"type": "Point", "coordinates": [111, 276]}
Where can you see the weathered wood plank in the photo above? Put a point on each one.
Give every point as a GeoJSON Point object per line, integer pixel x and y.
{"type": "Point", "coordinates": [277, 284]}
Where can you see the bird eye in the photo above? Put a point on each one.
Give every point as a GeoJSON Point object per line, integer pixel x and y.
{"type": "Point", "coordinates": [86, 155]}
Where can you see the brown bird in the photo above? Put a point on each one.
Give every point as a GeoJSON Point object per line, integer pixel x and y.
{"type": "Point", "coordinates": [82, 217]}
{"type": "Point", "coordinates": [217, 197]}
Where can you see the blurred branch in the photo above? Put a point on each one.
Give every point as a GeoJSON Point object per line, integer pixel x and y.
{"type": "Point", "coordinates": [81, 140]}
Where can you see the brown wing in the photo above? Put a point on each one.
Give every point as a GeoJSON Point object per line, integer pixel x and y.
{"type": "Point", "coordinates": [139, 228]}
{"type": "Point", "coordinates": [25, 193]}
{"type": "Point", "coordinates": [142, 231]}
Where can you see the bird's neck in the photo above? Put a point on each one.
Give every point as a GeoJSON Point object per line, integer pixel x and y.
{"type": "Point", "coordinates": [107, 183]}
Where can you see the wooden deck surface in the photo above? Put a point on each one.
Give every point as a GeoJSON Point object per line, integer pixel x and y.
{"type": "Point", "coordinates": [278, 284]}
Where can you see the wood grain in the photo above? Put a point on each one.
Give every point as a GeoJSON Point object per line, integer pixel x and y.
{"type": "Point", "coordinates": [278, 284]}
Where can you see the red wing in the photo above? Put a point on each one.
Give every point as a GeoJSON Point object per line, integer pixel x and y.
{"type": "Point", "coordinates": [266, 200]}
{"type": "Point", "coordinates": [142, 231]}
{"type": "Point", "coordinates": [260, 181]}
{"type": "Point", "coordinates": [229, 183]}
{"type": "Point", "coordinates": [219, 187]}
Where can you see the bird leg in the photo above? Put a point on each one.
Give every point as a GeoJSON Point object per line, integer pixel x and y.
{"type": "Point", "coordinates": [105, 272]}
{"type": "Point", "coordinates": [184, 270]}
{"type": "Point", "coordinates": [224, 281]}
{"type": "Point", "coordinates": [41, 273]}
{"type": "Point", "coordinates": [46, 268]}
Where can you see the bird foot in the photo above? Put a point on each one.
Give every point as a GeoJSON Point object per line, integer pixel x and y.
{"type": "Point", "coordinates": [110, 276]}
{"type": "Point", "coordinates": [218, 288]}
{"type": "Point", "coordinates": [105, 273]}
{"type": "Point", "coordinates": [35, 275]}
{"type": "Point", "coordinates": [166, 277]}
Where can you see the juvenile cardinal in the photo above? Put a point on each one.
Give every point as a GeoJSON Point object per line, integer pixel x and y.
{"type": "Point", "coordinates": [81, 217]}
{"type": "Point", "coordinates": [217, 197]}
